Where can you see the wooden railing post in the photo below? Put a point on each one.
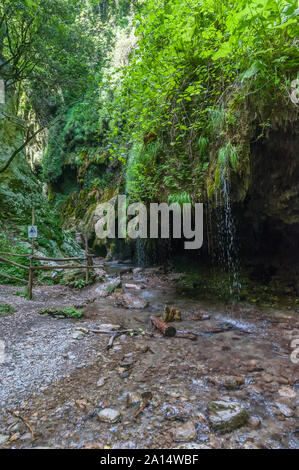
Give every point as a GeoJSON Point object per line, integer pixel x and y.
{"type": "Point", "coordinates": [31, 271]}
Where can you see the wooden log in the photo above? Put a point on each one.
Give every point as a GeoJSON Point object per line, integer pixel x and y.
{"type": "Point", "coordinates": [4, 260]}
{"type": "Point", "coordinates": [14, 254]}
{"type": "Point", "coordinates": [165, 329]}
{"type": "Point", "coordinates": [13, 278]}
{"type": "Point", "coordinates": [54, 268]}
{"type": "Point", "coordinates": [42, 258]}
{"type": "Point", "coordinates": [182, 334]}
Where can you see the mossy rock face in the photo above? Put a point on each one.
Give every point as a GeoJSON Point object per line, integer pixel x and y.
{"type": "Point", "coordinates": [226, 416]}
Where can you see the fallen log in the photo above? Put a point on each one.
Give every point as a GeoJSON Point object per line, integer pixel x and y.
{"type": "Point", "coordinates": [146, 397]}
{"type": "Point", "coordinates": [165, 329]}
{"type": "Point", "coordinates": [185, 335]}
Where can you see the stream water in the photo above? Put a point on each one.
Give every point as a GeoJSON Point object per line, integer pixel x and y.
{"type": "Point", "coordinates": [77, 378]}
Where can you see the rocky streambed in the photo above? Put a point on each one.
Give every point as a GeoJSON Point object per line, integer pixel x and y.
{"type": "Point", "coordinates": [65, 385]}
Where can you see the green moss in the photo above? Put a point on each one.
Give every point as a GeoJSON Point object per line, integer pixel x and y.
{"type": "Point", "coordinates": [68, 312]}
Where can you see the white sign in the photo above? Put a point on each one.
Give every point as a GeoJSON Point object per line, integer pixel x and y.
{"type": "Point", "coordinates": [32, 231]}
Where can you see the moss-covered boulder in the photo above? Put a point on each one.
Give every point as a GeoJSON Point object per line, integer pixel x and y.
{"type": "Point", "coordinates": [226, 416]}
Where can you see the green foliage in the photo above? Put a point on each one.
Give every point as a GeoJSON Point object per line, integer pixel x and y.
{"type": "Point", "coordinates": [68, 312]}
{"type": "Point", "coordinates": [181, 198]}
{"type": "Point", "coordinates": [181, 89]}
{"type": "Point", "coordinates": [6, 310]}
{"type": "Point", "coordinates": [14, 245]}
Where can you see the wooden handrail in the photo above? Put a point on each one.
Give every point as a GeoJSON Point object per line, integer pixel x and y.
{"type": "Point", "coordinates": [75, 266]}
{"type": "Point", "coordinates": [15, 254]}
{"type": "Point", "coordinates": [4, 260]}
{"type": "Point", "coordinates": [42, 258]}
{"type": "Point", "coordinates": [13, 278]}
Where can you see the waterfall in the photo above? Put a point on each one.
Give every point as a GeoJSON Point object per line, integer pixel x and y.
{"type": "Point", "coordinates": [226, 236]}
{"type": "Point", "coordinates": [141, 252]}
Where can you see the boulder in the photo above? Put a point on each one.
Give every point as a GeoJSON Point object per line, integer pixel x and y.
{"type": "Point", "coordinates": [226, 416]}
{"type": "Point", "coordinates": [184, 432]}
{"type": "Point", "coordinates": [109, 415]}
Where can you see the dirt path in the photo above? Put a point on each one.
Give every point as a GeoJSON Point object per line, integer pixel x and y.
{"type": "Point", "coordinates": [59, 379]}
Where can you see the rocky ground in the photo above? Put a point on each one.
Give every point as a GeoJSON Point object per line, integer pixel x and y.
{"type": "Point", "coordinates": [61, 387]}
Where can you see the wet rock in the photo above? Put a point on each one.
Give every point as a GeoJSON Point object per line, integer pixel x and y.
{"type": "Point", "coordinates": [226, 416]}
{"type": "Point", "coordinates": [287, 392]}
{"type": "Point", "coordinates": [267, 378]}
{"type": "Point", "coordinates": [137, 271]}
{"type": "Point", "coordinates": [123, 338]}
{"type": "Point", "coordinates": [254, 366]}
{"type": "Point", "coordinates": [108, 287]}
{"type": "Point", "coordinates": [281, 380]}
{"type": "Point", "coordinates": [109, 415]}
{"type": "Point", "coordinates": [131, 301]}
{"type": "Point", "coordinates": [192, 445]}
{"type": "Point", "coordinates": [101, 382]}
{"type": "Point", "coordinates": [200, 317]}
{"type": "Point", "coordinates": [250, 445]}
{"type": "Point", "coordinates": [230, 382]}
{"type": "Point", "coordinates": [3, 438]}
{"type": "Point", "coordinates": [133, 398]}
{"type": "Point", "coordinates": [78, 335]}
{"type": "Point", "coordinates": [284, 410]}
{"type": "Point", "coordinates": [175, 412]}
{"type": "Point", "coordinates": [26, 436]}
{"type": "Point", "coordinates": [127, 361]}
{"type": "Point", "coordinates": [254, 422]}
{"type": "Point", "coordinates": [109, 327]}
{"type": "Point", "coordinates": [184, 433]}
{"type": "Point", "coordinates": [134, 286]}
{"type": "Point", "coordinates": [123, 372]}
{"type": "Point", "coordinates": [171, 314]}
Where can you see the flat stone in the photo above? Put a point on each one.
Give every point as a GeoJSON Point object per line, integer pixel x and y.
{"type": "Point", "coordinates": [78, 335]}
{"type": "Point", "coordinates": [108, 327]}
{"type": "Point", "coordinates": [185, 432]}
{"type": "Point", "coordinates": [3, 438]}
{"type": "Point", "coordinates": [131, 301]}
{"type": "Point", "coordinates": [267, 378]}
{"type": "Point", "coordinates": [285, 410]}
{"type": "Point", "coordinates": [108, 287]}
{"type": "Point", "coordinates": [230, 382]}
{"type": "Point", "coordinates": [109, 415]}
{"type": "Point", "coordinates": [26, 436]}
{"type": "Point", "coordinates": [192, 445]}
{"type": "Point", "coordinates": [226, 416]}
{"type": "Point", "coordinates": [101, 382]}
{"type": "Point", "coordinates": [287, 392]}
{"type": "Point", "coordinates": [254, 422]}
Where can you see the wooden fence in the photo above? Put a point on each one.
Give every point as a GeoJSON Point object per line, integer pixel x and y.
{"type": "Point", "coordinates": [88, 259]}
